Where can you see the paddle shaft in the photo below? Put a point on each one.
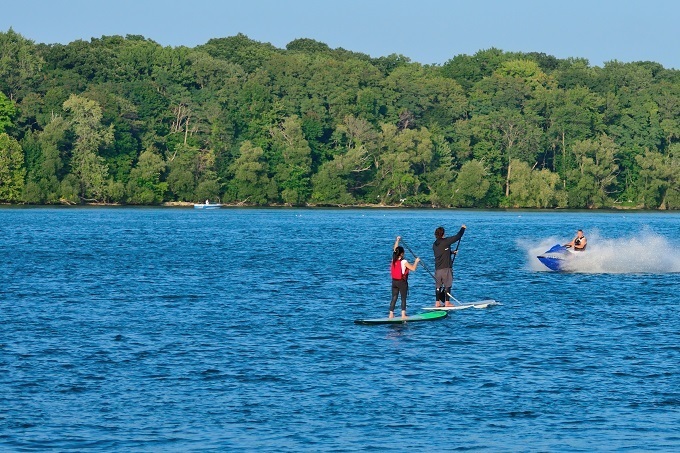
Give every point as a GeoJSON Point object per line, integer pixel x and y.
{"type": "Point", "coordinates": [421, 261]}
{"type": "Point", "coordinates": [455, 252]}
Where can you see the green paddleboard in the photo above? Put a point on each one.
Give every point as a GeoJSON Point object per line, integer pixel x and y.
{"type": "Point", "coordinates": [431, 316]}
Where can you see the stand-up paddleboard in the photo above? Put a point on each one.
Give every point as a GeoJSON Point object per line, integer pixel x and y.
{"type": "Point", "coordinates": [463, 306]}
{"type": "Point", "coordinates": [431, 316]}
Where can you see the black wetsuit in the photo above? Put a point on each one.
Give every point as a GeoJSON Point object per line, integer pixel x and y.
{"type": "Point", "coordinates": [443, 275]}
{"type": "Point", "coordinates": [442, 250]}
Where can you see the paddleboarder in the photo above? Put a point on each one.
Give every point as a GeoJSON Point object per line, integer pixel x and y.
{"type": "Point", "coordinates": [578, 243]}
{"type": "Point", "coordinates": [443, 273]}
{"type": "Point", "coordinates": [399, 270]}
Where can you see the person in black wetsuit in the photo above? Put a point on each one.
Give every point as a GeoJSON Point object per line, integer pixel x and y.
{"type": "Point", "coordinates": [443, 274]}
{"type": "Point", "coordinates": [399, 271]}
{"type": "Point", "coordinates": [578, 243]}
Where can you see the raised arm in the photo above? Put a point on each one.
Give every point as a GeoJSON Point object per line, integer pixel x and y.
{"type": "Point", "coordinates": [396, 243]}
{"type": "Point", "coordinates": [413, 266]}
{"type": "Point", "coordinates": [457, 237]}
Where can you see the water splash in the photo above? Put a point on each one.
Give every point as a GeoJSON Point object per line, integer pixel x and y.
{"type": "Point", "coordinates": [644, 253]}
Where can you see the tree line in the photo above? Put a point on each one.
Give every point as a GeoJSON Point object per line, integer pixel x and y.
{"type": "Point", "coordinates": [126, 120]}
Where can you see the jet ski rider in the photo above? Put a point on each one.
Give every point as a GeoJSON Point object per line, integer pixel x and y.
{"type": "Point", "coordinates": [578, 243]}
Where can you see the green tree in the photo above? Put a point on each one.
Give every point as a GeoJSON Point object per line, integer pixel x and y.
{"type": "Point", "coordinates": [593, 179]}
{"type": "Point", "coordinates": [250, 181]}
{"type": "Point", "coordinates": [405, 156]}
{"type": "Point", "coordinates": [294, 171]}
{"type": "Point", "coordinates": [70, 189]}
{"type": "Point", "coordinates": [529, 72]}
{"type": "Point", "coordinates": [515, 137]}
{"type": "Point", "coordinates": [86, 163]}
{"type": "Point", "coordinates": [43, 179]}
{"type": "Point", "coordinates": [12, 171]}
{"type": "Point", "coordinates": [438, 174]}
{"type": "Point", "coordinates": [329, 183]}
{"type": "Point", "coordinates": [468, 70]}
{"type": "Point", "coordinates": [424, 94]}
{"type": "Point", "coordinates": [241, 50]}
{"type": "Point", "coordinates": [208, 182]}
{"type": "Point", "coordinates": [636, 128]}
{"type": "Point", "coordinates": [660, 178]}
{"type": "Point", "coordinates": [573, 114]}
{"type": "Point", "coordinates": [471, 185]}
{"type": "Point", "coordinates": [350, 174]}
{"type": "Point", "coordinates": [333, 87]}
{"type": "Point", "coordinates": [182, 174]}
{"type": "Point", "coordinates": [532, 188]}
{"type": "Point", "coordinates": [307, 45]}
{"type": "Point", "coordinates": [376, 129]}
{"type": "Point", "coordinates": [255, 109]}
{"type": "Point", "coordinates": [145, 185]}
{"type": "Point", "coordinates": [7, 113]}
{"type": "Point", "coordinates": [19, 64]}
{"type": "Point", "coordinates": [575, 72]}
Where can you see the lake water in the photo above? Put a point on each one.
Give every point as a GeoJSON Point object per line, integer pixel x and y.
{"type": "Point", "coordinates": [173, 329]}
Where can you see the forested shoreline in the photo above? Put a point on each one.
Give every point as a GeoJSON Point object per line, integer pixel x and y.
{"type": "Point", "coordinates": [124, 120]}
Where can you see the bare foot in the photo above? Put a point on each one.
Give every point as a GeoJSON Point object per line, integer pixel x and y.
{"type": "Point", "coordinates": [391, 315]}
{"type": "Point", "coordinates": [448, 304]}
{"type": "Point", "coordinates": [437, 304]}
{"type": "Point", "coordinates": [403, 315]}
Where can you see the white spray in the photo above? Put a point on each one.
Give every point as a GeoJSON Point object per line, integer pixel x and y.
{"type": "Point", "coordinates": [644, 253]}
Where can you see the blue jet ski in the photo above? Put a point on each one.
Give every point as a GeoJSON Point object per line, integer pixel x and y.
{"type": "Point", "coordinates": [556, 258]}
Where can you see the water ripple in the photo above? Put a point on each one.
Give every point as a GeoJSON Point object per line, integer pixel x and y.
{"type": "Point", "coordinates": [172, 330]}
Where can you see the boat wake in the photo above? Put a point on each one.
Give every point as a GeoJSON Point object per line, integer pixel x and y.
{"type": "Point", "coordinates": [644, 253]}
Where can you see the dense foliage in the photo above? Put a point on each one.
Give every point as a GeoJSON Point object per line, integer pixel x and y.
{"type": "Point", "coordinates": [126, 120]}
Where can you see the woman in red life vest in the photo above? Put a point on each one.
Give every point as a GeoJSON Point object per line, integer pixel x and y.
{"type": "Point", "coordinates": [399, 270]}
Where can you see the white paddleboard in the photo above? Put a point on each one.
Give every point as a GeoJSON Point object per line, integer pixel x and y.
{"type": "Point", "coordinates": [463, 306]}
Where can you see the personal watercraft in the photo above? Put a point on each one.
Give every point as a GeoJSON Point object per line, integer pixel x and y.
{"type": "Point", "coordinates": [556, 258]}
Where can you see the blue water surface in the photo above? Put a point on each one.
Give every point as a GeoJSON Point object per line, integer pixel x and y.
{"type": "Point", "coordinates": [173, 329]}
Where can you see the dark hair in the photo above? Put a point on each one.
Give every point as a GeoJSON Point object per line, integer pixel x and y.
{"type": "Point", "coordinates": [439, 232]}
{"type": "Point", "coordinates": [397, 253]}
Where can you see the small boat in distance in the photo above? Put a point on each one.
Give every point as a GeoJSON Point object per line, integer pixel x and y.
{"type": "Point", "coordinates": [207, 205]}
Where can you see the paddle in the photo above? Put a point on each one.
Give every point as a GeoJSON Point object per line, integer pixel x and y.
{"type": "Point", "coordinates": [455, 253]}
{"type": "Point", "coordinates": [416, 256]}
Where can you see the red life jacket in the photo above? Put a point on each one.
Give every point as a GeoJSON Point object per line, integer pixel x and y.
{"type": "Point", "coordinates": [396, 271]}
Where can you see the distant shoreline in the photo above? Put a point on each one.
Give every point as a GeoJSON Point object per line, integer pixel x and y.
{"type": "Point", "coordinates": [186, 204]}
